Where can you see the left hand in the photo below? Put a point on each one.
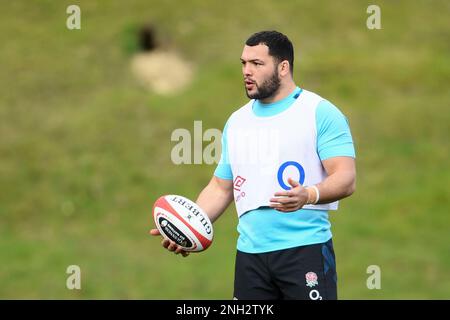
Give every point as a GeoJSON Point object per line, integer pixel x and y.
{"type": "Point", "coordinates": [290, 200]}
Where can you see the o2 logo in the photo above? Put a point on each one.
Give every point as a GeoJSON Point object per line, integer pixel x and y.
{"type": "Point", "coordinates": [283, 167]}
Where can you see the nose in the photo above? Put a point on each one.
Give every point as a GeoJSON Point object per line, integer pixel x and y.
{"type": "Point", "coordinates": [246, 70]}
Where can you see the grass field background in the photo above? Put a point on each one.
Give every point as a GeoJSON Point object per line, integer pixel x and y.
{"type": "Point", "coordinates": [85, 150]}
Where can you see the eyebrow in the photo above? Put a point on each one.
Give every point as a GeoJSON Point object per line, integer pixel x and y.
{"type": "Point", "coordinates": [252, 60]}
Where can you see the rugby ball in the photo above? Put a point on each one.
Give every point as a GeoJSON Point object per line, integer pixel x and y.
{"type": "Point", "coordinates": [184, 222]}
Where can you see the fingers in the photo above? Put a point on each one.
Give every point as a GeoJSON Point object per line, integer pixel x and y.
{"type": "Point", "coordinates": [155, 232]}
{"type": "Point", "coordinates": [292, 182]}
{"type": "Point", "coordinates": [285, 204]}
{"type": "Point", "coordinates": [165, 243]}
{"type": "Point", "coordinates": [169, 245]}
{"type": "Point", "coordinates": [173, 247]}
{"type": "Point", "coordinates": [283, 194]}
{"type": "Point", "coordinates": [180, 250]}
{"type": "Point", "coordinates": [288, 209]}
{"type": "Point", "coordinates": [288, 193]}
{"type": "Point", "coordinates": [290, 200]}
{"type": "Point", "coordinates": [284, 200]}
{"type": "Point", "coordinates": [282, 206]}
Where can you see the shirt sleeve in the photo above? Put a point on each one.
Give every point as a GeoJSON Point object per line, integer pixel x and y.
{"type": "Point", "coordinates": [334, 138]}
{"type": "Point", "coordinates": [223, 169]}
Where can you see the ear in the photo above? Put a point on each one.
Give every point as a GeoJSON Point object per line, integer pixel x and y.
{"type": "Point", "coordinates": [283, 68]}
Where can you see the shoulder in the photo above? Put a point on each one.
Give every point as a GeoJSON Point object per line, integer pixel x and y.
{"type": "Point", "coordinates": [310, 98]}
{"type": "Point", "coordinates": [241, 112]}
{"type": "Point", "coordinates": [327, 112]}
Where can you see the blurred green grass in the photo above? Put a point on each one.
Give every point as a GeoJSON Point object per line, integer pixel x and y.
{"type": "Point", "coordinates": [85, 151]}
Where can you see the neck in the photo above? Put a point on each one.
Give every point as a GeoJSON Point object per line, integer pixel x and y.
{"type": "Point", "coordinates": [283, 92]}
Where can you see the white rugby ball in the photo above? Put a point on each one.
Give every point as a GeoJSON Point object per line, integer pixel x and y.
{"type": "Point", "coordinates": [184, 222]}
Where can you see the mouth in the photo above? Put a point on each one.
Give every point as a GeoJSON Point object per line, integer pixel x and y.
{"type": "Point", "coordinates": [249, 84]}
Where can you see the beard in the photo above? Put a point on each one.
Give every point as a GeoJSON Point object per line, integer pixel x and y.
{"type": "Point", "coordinates": [267, 89]}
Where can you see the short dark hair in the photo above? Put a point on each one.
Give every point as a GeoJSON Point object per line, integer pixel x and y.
{"type": "Point", "coordinates": [280, 47]}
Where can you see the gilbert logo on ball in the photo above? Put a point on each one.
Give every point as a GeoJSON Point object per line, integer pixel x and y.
{"type": "Point", "coordinates": [184, 222]}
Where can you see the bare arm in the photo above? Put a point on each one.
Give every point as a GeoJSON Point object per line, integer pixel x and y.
{"type": "Point", "coordinates": [339, 183]}
{"type": "Point", "coordinates": [214, 200]}
{"type": "Point", "coordinates": [216, 197]}
{"type": "Point", "coordinates": [341, 180]}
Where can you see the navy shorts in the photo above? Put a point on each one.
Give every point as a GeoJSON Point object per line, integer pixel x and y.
{"type": "Point", "coordinates": [300, 273]}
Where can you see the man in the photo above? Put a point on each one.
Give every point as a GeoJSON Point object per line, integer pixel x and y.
{"type": "Point", "coordinates": [287, 158]}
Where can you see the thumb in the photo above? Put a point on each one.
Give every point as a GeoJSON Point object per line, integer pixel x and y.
{"type": "Point", "coordinates": [292, 182]}
{"type": "Point", "coordinates": [154, 232]}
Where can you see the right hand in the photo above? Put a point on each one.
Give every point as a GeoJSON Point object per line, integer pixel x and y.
{"type": "Point", "coordinates": [169, 245]}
